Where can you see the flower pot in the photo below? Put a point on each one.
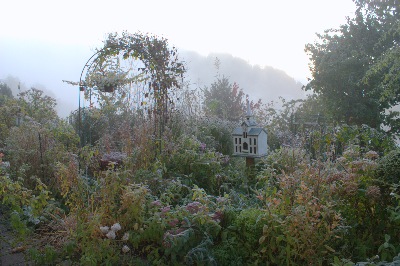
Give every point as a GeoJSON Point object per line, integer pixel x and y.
{"type": "Point", "coordinates": [108, 88]}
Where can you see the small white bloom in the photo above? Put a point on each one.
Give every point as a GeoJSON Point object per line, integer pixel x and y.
{"type": "Point", "coordinates": [111, 235]}
{"type": "Point", "coordinates": [104, 229]}
{"type": "Point", "coordinates": [125, 237]}
{"type": "Point", "coordinates": [116, 227]}
{"type": "Point", "coordinates": [125, 249]}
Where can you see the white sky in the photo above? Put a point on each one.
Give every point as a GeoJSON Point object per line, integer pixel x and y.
{"type": "Point", "coordinates": [43, 42]}
{"type": "Point", "coordinates": [262, 32]}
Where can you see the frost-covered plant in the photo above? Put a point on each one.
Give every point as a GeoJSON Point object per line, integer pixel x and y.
{"type": "Point", "coordinates": [388, 169]}
{"type": "Point", "coordinates": [116, 227]}
{"type": "Point", "coordinates": [300, 222]}
{"type": "Point", "coordinates": [104, 229]}
{"type": "Point", "coordinates": [125, 249]}
{"type": "Point", "coordinates": [111, 234]}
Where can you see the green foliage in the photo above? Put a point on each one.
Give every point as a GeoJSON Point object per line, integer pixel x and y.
{"type": "Point", "coordinates": [158, 79]}
{"type": "Point", "coordinates": [216, 134]}
{"type": "Point", "coordinates": [302, 225]}
{"type": "Point", "coordinates": [19, 225]}
{"type": "Point", "coordinates": [30, 202]}
{"type": "Point", "coordinates": [349, 53]}
{"type": "Point", "coordinates": [353, 67]}
{"type": "Point", "coordinates": [240, 240]}
{"type": "Point", "coordinates": [10, 112]}
{"type": "Point", "coordinates": [387, 250]}
{"type": "Point", "coordinates": [47, 256]}
{"type": "Point", "coordinates": [176, 197]}
{"type": "Point", "coordinates": [384, 69]}
{"type": "Point", "coordinates": [5, 93]}
{"type": "Point", "coordinates": [279, 121]}
{"type": "Point", "coordinates": [323, 142]}
{"type": "Point", "coordinates": [199, 164]}
{"type": "Point", "coordinates": [286, 160]}
{"type": "Point", "coordinates": [205, 174]}
{"type": "Point", "coordinates": [36, 147]}
{"type": "Point", "coordinates": [366, 137]}
{"type": "Point", "coordinates": [185, 154]}
{"type": "Point", "coordinates": [13, 193]}
{"type": "Point", "coordinates": [224, 100]}
{"type": "Point", "coordinates": [362, 199]}
{"type": "Point", "coordinates": [388, 169]}
{"type": "Point", "coordinates": [100, 252]}
{"type": "Point", "coordinates": [298, 212]}
{"type": "Point", "coordinates": [93, 124]}
{"type": "Point", "coordinates": [37, 106]}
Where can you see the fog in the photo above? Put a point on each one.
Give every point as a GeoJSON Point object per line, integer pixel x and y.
{"type": "Point", "coordinates": [266, 83]}
{"type": "Point", "coordinates": [45, 65]}
{"type": "Point", "coordinates": [43, 43]}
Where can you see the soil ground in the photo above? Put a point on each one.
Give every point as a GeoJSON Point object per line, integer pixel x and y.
{"type": "Point", "coordinates": [11, 252]}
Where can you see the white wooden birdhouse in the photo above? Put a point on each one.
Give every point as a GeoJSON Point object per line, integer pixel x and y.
{"type": "Point", "coordinates": [249, 140]}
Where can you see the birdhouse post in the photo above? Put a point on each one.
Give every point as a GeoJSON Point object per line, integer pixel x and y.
{"type": "Point", "coordinates": [249, 140]}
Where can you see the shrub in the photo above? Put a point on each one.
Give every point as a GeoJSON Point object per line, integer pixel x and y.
{"type": "Point", "coordinates": [388, 169]}
{"type": "Point", "coordinates": [285, 160]}
{"type": "Point", "coordinates": [47, 256]}
{"type": "Point", "coordinates": [365, 137]}
{"type": "Point", "coordinates": [36, 149]}
{"type": "Point", "coordinates": [216, 134]}
{"type": "Point", "coordinates": [239, 245]}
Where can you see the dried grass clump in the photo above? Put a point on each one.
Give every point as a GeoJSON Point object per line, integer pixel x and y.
{"type": "Point", "coordinates": [57, 232]}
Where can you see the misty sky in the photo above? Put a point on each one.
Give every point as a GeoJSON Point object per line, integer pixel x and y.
{"type": "Point", "coordinates": [42, 42]}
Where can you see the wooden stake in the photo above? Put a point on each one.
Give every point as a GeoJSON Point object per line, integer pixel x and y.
{"type": "Point", "coordinates": [250, 162]}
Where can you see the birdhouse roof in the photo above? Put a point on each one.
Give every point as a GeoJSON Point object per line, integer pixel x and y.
{"type": "Point", "coordinates": [255, 131]}
{"type": "Point", "coordinates": [237, 131]}
{"type": "Point", "coordinates": [249, 123]}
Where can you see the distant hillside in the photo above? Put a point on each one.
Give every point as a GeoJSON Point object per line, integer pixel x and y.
{"type": "Point", "coordinates": [44, 66]}
{"type": "Point", "coordinates": [266, 83]}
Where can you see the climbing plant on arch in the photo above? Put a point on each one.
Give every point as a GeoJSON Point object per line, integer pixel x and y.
{"type": "Point", "coordinates": [155, 70]}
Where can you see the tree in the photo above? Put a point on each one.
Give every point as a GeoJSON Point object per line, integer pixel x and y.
{"type": "Point", "coordinates": [9, 110]}
{"type": "Point", "coordinates": [5, 92]}
{"type": "Point", "coordinates": [31, 104]}
{"type": "Point", "coordinates": [224, 100]}
{"type": "Point", "coordinates": [338, 64]}
{"type": "Point", "coordinates": [385, 69]}
{"type": "Point", "coordinates": [39, 107]}
{"type": "Point", "coordinates": [342, 62]}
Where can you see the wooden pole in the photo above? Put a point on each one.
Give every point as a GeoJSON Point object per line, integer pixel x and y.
{"type": "Point", "coordinates": [250, 162]}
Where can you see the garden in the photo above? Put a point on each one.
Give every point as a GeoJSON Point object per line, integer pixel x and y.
{"type": "Point", "coordinates": [143, 175]}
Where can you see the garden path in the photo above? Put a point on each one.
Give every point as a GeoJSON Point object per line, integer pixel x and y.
{"type": "Point", "coordinates": [10, 253]}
